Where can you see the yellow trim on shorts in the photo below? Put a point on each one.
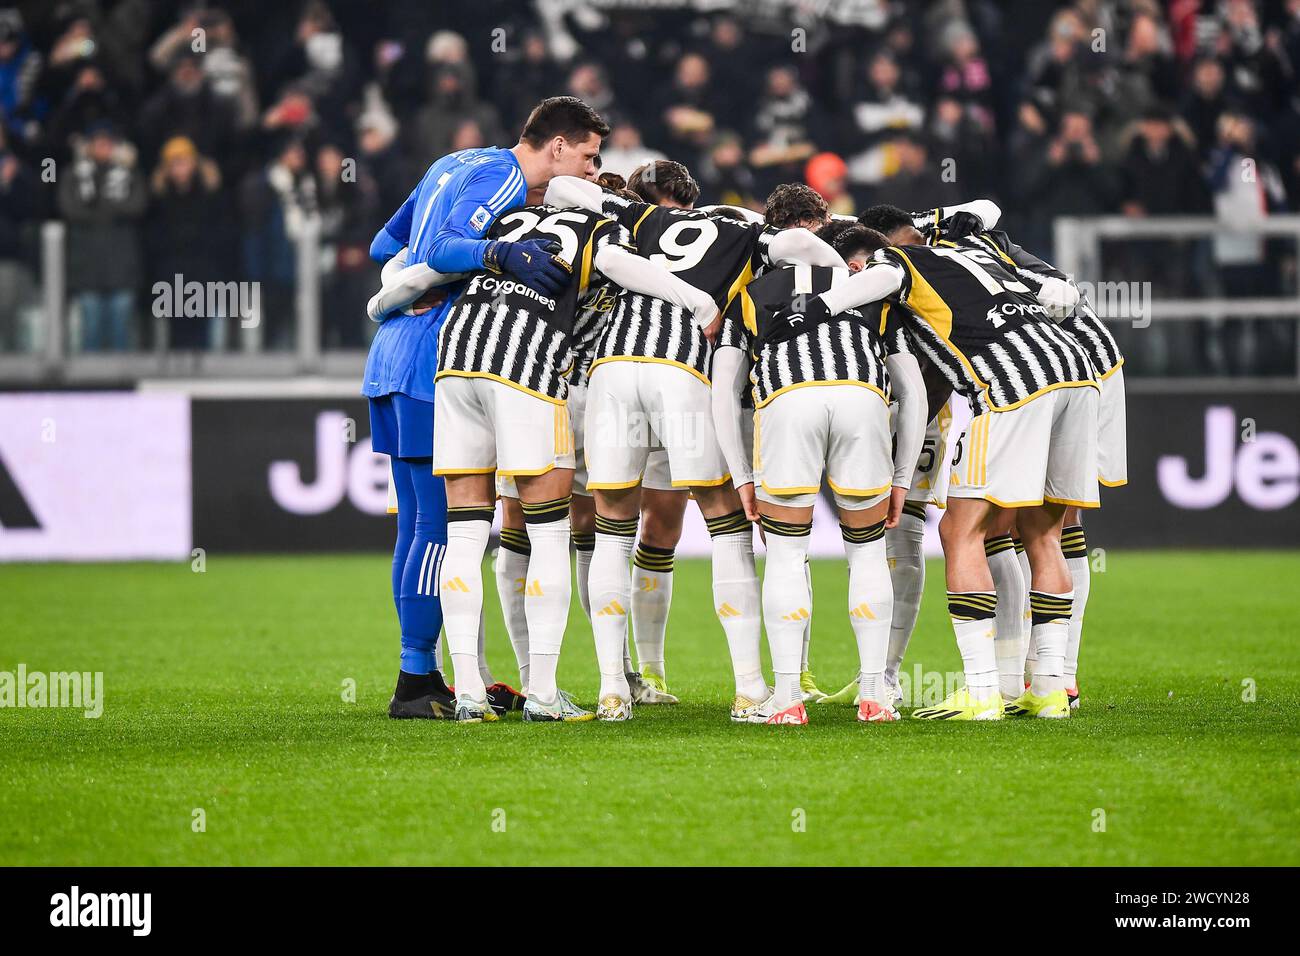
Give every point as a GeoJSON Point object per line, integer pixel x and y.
{"type": "Point", "coordinates": [528, 473]}
{"type": "Point", "coordinates": [1004, 504]}
{"type": "Point", "coordinates": [702, 483]}
{"type": "Point", "coordinates": [837, 381]}
{"type": "Point", "coordinates": [614, 485]}
{"type": "Point", "coordinates": [457, 373]}
{"type": "Point", "coordinates": [645, 358]}
{"type": "Point", "coordinates": [463, 471]}
{"type": "Point", "coordinates": [857, 492]}
{"type": "Point", "coordinates": [790, 491]}
{"type": "Point", "coordinates": [1112, 484]}
{"type": "Point", "coordinates": [1071, 502]}
{"type": "Point", "coordinates": [1115, 368]}
{"type": "Point", "coordinates": [392, 511]}
{"type": "Point", "coordinates": [1043, 391]}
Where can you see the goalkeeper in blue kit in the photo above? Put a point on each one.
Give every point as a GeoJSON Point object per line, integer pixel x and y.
{"type": "Point", "coordinates": [436, 236]}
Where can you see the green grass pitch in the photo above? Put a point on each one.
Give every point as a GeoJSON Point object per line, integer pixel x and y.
{"type": "Point", "coordinates": [224, 691]}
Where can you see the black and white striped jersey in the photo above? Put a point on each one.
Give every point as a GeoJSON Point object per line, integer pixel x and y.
{"type": "Point", "coordinates": [1083, 323]}
{"type": "Point", "coordinates": [500, 328]}
{"type": "Point", "coordinates": [594, 312]}
{"type": "Point", "coordinates": [715, 254]}
{"type": "Point", "coordinates": [850, 348]}
{"type": "Point", "coordinates": [973, 319]}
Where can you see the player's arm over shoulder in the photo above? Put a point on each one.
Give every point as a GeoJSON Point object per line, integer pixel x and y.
{"type": "Point", "coordinates": [486, 191]}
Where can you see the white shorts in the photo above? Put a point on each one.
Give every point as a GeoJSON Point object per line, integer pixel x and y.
{"type": "Point", "coordinates": [1044, 450]}
{"type": "Point", "coordinates": [482, 425]}
{"type": "Point", "coordinates": [840, 431]}
{"type": "Point", "coordinates": [930, 478]}
{"type": "Point", "coordinates": [1112, 427]}
{"type": "Point", "coordinates": [637, 408]}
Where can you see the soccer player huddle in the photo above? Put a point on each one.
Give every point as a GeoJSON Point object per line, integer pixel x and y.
{"type": "Point", "coordinates": [594, 351]}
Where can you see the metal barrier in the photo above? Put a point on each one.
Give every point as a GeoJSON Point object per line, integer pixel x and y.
{"type": "Point", "coordinates": [1078, 251]}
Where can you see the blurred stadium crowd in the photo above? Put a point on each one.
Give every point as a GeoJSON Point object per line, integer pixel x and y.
{"type": "Point", "coordinates": [197, 138]}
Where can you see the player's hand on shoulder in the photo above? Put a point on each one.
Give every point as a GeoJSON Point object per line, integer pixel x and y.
{"type": "Point", "coordinates": [532, 261]}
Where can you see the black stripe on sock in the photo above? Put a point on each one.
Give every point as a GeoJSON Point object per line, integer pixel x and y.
{"type": "Point", "coordinates": [915, 509]}
{"type": "Point", "coordinates": [972, 605]}
{"type": "Point", "coordinates": [785, 529]}
{"type": "Point", "coordinates": [584, 540]}
{"type": "Point", "coordinates": [654, 559]}
{"type": "Point", "coordinates": [999, 544]}
{"type": "Point", "coordinates": [1045, 608]}
{"type": "Point", "coordinates": [543, 512]}
{"type": "Point", "coordinates": [1073, 542]}
{"type": "Point", "coordinates": [516, 540]}
{"type": "Point", "coordinates": [470, 514]}
{"type": "Point", "coordinates": [1018, 545]}
{"type": "Point", "coordinates": [623, 527]}
{"type": "Point", "coordinates": [727, 524]}
{"type": "Point", "coordinates": [863, 535]}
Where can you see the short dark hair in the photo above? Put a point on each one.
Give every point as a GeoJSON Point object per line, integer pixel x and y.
{"type": "Point", "coordinates": [851, 239]}
{"type": "Point", "coordinates": [611, 181]}
{"type": "Point", "coordinates": [885, 218]}
{"type": "Point", "coordinates": [792, 203]}
{"type": "Point", "coordinates": [662, 179]}
{"type": "Point", "coordinates": [565, 116]}
{"type": "Point", "coordinates": [728, 212]}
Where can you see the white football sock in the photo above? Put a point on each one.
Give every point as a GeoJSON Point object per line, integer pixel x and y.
{"type": "Point", "coordinates": [1051, 629]}
{"type": "Point", "coordinates": [547, 593]}
{"type": "Point", "coordinates": [652, 595]}
{"type": "Point", "coordinates": [461, 593]}
{"type": "Point", "coordinates": [611, 599]}
{"type": "Point", "coordinates": [1026, 635]}
{"type": "Point", "coordinates": [871, 606]}
{"type": "Point", "coordinates": [973, 616]}
{"type": "Point", "coordinates": [807, 628]}
{"type": "Point", "coordinates": [1008, 644]}
{"type": "Point", "coordinates": [786, 609]}
{"type": "Point", "coordinates": [736, 600]}
{"type": "Point", "coordinates": [903, 548]}
{"type": "Point", "coordinates": [512, 574]}
{"type": "Point", "coordinates": [584, 544]}
{"type": "Point", "coordinates": [484, 671]}
{"type": "Point", "coordinates": [1075, 548]}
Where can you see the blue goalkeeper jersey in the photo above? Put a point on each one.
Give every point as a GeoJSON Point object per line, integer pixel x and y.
{"type": "Point", "coordinates": [442, 223]}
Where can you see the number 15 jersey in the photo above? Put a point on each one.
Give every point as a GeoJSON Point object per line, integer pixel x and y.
{"type": "Point", "coordinates": [983, 328]}
{"type": "Point", "coordinates": [714, 254]}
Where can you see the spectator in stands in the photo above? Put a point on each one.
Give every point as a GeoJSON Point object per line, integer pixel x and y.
{"type": "Point", "coordinates": [964, 73]}
{"type": "Point", "coordinates": [624, 151]}
{"type": "Point", "coordinates": [1160, 175]}
{"type": "Point", "coordinates": [451, 102]}
{"type": "Point", "coordinates": [187, 234]}
{"type": "Point", "coordinates": [522, 75]}
{"type": "Point", "coordinates": [229, 73]}
{"type": "Point", "coordinates": [884, 108]}
{"type": "Point", "coordinates": [349, 208]}
{"type": "Point", "coordinates": [277, 202]}
{"type": "Point", "coordinates": [1204, 103]}
{"type": "Point", "coordinates": [828, 174]}
{"type": "Point", "coordinates": [588, 82]}
{"type": "Point", "coordinates": [787, 125]}
{"type": "Point", "coordinates": [18, 191]}
{"type": "Point", "coordinates": [89, 100]}
{"type": "Point", "coordinates": [1148, 77]}
{"type": "Point", "coordinates": [187, 106]}
{"type": "Point", "coordinates": [377, 142]}
{"type": "Point", "coordinates": [1247, 188]}
{"type": "Point", "coordinates": [21, 108]}
{"type": "Point", "coordinates": [909, 178]}
{"type": "Point", "coordinates": [724, 176]}
{"type": "Point", "coordinates": [687, 111]}
{"type": "Point", "coordinates": [964, 134]}
{"type": "Point", "coordinates": [1071, 180]}
{"type": "Point", "coordinates": [103, 198]}
{"type": "Point", "coordinates": [320, 64]}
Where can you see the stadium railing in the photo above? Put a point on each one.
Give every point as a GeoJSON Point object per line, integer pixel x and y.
{"type": "Point", "coordinates": [51, 355]}
{"type": "Point", "coordinates": [1083, 245]}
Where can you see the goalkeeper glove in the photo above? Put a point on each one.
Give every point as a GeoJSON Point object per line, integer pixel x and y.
{"type": "Point", "coordinates": [532, 261]}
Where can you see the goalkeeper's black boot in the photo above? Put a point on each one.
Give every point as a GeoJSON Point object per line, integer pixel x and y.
{"type": "Point", "coordinates": [422, 697]}
{"type": "Point", "coordinates": [504, 698]}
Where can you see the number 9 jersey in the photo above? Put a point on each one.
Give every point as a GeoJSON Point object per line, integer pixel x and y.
{"type": "Point", "coordinates": [714, 254]}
